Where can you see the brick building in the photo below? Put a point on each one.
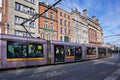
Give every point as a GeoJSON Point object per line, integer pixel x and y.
{"type": "Point", "coordinates": [3, 16]}
{"type": "Point", "coordinates": [48, 22]}
{"type": "Point", "coordinates": [65, 29]}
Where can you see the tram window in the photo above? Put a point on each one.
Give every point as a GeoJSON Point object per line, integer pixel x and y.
{"type": "Point", "coordinates": [91, 51]}
{"type": "Point", "coordinates": [10, 51]}
{"type": "Point", "coordinates": [78, 50]}
{"type": "Point", "coordinates": [39, 50]}
{"type": "Point", "coordinates": [101, 50]}
{"type": "Point", "coordinates": [69, 51]}
{"type": "Point", "coordinates": [109, 50]}
{"type": "Point", "coordinates": [35, 50]}
{"type": "Point", "coordinates": [59, 50]}
{"type": "Point", "coordinates": [24, 51]}
{"type": "Point", "coordinates": [21, 50]}
{"type": "Point", "coordinates": [15, 50]}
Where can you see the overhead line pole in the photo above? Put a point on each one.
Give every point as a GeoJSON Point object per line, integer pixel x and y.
{"type": "Point", "coordinates": [112, 35]}
{"type": "Point", "coordinates": [35, 16]}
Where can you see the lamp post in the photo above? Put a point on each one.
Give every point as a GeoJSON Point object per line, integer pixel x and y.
{"type": "Point", "coordinates": [29, 21]}
{"type": "Point", "coordinates": [7, 28]}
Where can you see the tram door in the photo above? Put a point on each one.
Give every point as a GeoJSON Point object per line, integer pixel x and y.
{"type": "Point", "coordinates": [78, 53]}
{"type": "Point", "coordinates": [59, 55]}
{"type": "Point", "coordinates": [0, 53]}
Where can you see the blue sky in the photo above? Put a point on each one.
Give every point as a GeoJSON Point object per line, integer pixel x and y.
{"type": "Point", "coordinates": [107, 11]}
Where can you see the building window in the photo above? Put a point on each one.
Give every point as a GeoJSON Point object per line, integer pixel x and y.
{"type": "Point", "coordinates": [51, 15]}
{"type": "Point", "coordinates": [60, 21]}
{"type": "Point", "coordinates": [48, 36]}
{"type": "Point", "coordinates": [0, 30]}
{"type": "Point", "coordinates": [65, 23]}
{"type": "Point", "coordinates": [61, 30]}
{"type": "Point", "coordinates": [61, 38]}
{"type": "Point", "coordinates": [64, 15]}
{"type": "Point", "coordinates": [0, 3]}
{"type": "Point", "coordinates": [65, 31]}
{"type": "Point", "coordinates": [17, 6]}
{"type": "Point", "coordinates": [60, 13]}
{"type": "Point", "coordinates": [54, 37]}
{"type": "Point", "coordinates": [32, 24]}
{"type": "Point", "coordinates": [22, 33]}
{"type": "Point", "coordinates": [68, 17]}
{"type": "Point", "coordinates": [43, 35]}
{"type": "Point", "coordinates": [0, 17]}
{"type": "Point", "coordinates": [46, 14]}
{"type": "Point", "coordinates": [17, 20]}
{"type": "Point", "coordinates": [69, 32]}
{"type": "Point", "coordinates": [45, 24]}
{"type": "Point", "coordinates": [68, 24]}
{"type": "Point", "coordinates": [24, 9]}
{"type": "Point", "coordinates": [31, 1]}
{"type": "Point", "coordinates": [51, 26]}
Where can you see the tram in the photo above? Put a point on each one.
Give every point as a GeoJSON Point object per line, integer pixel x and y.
{"type": "Point", "coordinates": [16, 51]}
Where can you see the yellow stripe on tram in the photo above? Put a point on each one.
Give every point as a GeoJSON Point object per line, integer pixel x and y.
{"type": "Point", "coordinates": [91, 55]}
{"type": "Point", "coordinates": [22, 59]}
{"type": "Point", "coordinates": [69, 57]}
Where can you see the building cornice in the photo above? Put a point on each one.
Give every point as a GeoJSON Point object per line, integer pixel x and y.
{"type": "Point", "coordinates": [47, 6]}
{"type": "Point", "coordinates": [79, 22]}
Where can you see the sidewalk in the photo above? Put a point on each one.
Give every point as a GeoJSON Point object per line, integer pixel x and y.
{"type": "Point", "coordinates": [114, 76]}
{"type": "Point", "coordinates": [118, 78]}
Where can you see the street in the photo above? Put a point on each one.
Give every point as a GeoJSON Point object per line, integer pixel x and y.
{"type": "Point", "coordinates": [100, 69]}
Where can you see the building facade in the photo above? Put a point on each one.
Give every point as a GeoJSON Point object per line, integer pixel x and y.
{"type": "Point", "coordinates": [20, 11]}
{"type": "Point", "coordinates": [80, 28]}
{"type": "Point", "coordinates": [48, 22]}
{"type": "Point", "coordinates": [3, 16]}
{"type": "Point", "coordinates": [65, 29]}
{"type": "Point", "coordinates": [95, 31]}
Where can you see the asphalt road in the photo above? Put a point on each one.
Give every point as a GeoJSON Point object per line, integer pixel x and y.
{"type": "Point", "coordinates": [89, 70]}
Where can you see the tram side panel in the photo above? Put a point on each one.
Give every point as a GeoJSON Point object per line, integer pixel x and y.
{"type": "Point", "coordinates": [40, 55]}
{"type": "Point", "coordinates": [8, 62]}
{"type": "Point", "coordinates": [21, 53]}
{"type": "Point", "coordinates": [51, 55]}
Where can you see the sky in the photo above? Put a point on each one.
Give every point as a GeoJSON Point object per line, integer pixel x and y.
{"type": "Point", "coordinates": [107, 11]}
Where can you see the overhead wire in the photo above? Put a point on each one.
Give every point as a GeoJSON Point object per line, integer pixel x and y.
{"type": "Point", "coordinates": [35, 16]}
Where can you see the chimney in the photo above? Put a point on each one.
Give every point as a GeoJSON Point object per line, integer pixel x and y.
{"type": "Point", "coordinates": [94, 18]}
{"type": "Point", "coordinates": [97, 21]}
{"type": "Point", "coordinates": [85, 13]}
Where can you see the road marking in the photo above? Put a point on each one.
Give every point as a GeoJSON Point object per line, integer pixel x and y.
{"type": "Point", "coordinates": [114, 75]}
